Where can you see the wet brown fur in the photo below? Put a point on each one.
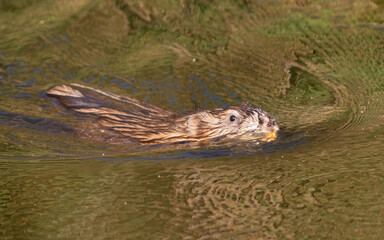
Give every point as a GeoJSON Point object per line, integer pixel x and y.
{"type": "Point", "coordinates": [149, 124]}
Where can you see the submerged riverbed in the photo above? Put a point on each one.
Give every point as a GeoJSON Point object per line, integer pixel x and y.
{"type": "Point", "coordinates": [317, 66]}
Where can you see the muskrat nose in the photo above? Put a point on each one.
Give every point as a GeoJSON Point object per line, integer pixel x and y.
{"type": "Point", "coordinates": [271, 123]}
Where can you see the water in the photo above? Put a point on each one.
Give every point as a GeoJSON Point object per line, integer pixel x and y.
{"type": "Point", "coordinates": [317, 66]}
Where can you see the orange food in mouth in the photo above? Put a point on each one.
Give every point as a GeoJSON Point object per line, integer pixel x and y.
{"type": "Point", "coordinates": [271, 135]}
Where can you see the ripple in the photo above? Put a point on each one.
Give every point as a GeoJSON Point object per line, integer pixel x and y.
{"type": "Point", "coordinates": [225, 203]}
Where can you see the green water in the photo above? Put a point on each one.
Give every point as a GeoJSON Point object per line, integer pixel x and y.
{"type": "Point", "coordinates": [317, 66]}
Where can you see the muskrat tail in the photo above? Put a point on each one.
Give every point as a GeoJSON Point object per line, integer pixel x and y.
{"type": "Point", "coordinates": [73, 98]}
{"type": "Point", "coordinates": [70, 97]}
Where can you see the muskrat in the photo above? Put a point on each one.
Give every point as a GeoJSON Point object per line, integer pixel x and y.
{"type": "Point", "coordinates": [148, 124]}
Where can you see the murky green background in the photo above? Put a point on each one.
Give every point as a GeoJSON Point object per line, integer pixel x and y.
{"type": "Point", "coordinates": [318, 66]}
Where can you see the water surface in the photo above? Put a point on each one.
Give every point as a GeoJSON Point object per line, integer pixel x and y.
{"type": "Point", "coordinates": [317, 66]}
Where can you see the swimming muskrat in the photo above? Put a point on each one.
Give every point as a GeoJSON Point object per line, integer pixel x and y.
{"type": "Point", "coordinates": [148, 124]}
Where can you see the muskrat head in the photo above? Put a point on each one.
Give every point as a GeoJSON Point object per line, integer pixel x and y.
{"type": "Point", "coordinates": [257, 120]}
{"type": "Point", "coordinates": [232, 122]}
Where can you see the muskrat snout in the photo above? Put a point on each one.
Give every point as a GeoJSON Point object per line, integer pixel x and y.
{"type": "Point", "coordinates": [267, 123]}
{"type": "Point", "coordinates": [271, 123]}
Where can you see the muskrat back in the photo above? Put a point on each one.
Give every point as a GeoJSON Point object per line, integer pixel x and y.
{"type": "Point", "coordinates": [148, 124]}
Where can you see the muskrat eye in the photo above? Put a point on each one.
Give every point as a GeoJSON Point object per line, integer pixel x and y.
{"type": "Point", "coordinates": [232, 118]}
